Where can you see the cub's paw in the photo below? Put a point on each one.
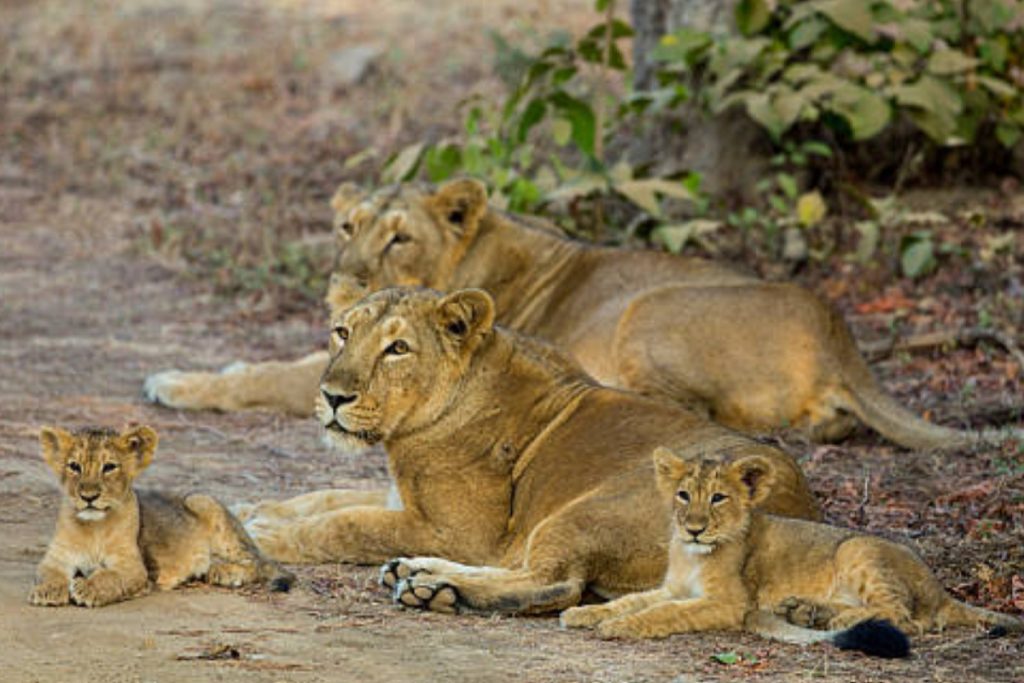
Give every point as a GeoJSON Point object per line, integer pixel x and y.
{"type": "Point", "coordinates": [582, 617]}
{"type": "Point", "coordinates": [50, 594]}
{"type": "Point", "coordinates": [230, 575]}
{"type": "Point", "coordinates": [625, 628]}
{"type": "Point", "coordinates": [92, 593]}
{"type": "Point", "coordinates": [423, 593]}
{"type": "Point", "coordinates": [805, 613]}
{"type": "Point", "coordinates": [394, 571]}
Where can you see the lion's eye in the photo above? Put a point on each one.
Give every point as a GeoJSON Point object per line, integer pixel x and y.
{"type": "Point", "coordinates": [342, 333]}
{"type": "Point", "coordinates": [398, 348]}
{"type": "Point", "coordinates": [399, 238]}
{"type": "Point", "coordinates": [75, 467]}
{"type": "Point", "coordinates": [109, 467]}
{"type": "Point", "coordinates": [347, 227]}
{"type": "Point", "coordinates": [718, 498]}
{"type": "Point", "coordinates": [683, 496]}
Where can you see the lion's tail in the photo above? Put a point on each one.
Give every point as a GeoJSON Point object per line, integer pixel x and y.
{"type": "Point", "coordinates": [880, 411]}
{"type": "Point", "coordinates": [875, 637]}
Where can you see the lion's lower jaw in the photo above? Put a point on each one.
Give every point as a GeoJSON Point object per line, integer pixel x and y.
{"type": "Point", "coordinates": [91, 515]}
{"type": "Point", "coordinates": [345, 443]}
{"type": "Point", "coordinates": [698, 548]}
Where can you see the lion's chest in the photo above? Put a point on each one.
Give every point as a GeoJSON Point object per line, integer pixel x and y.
{"type": "Point", "coordinates": [684, 578]}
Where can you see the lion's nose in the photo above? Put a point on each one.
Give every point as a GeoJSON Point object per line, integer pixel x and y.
{"type": "Point", "coordinates": [335, 400]}
{"type": "Point", "coordinates": [89, 497]}
{"type": "Point", "coordinates": [695, 531]}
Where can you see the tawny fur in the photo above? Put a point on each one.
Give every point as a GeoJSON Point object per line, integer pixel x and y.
{"type": "Point", "coordinates": [530, 480]}
{"type": "Point", "coordinates": [730, 564]}
{"type": "Point", "coordinates": [754, 355]}
{"type": "Point", "coordinates": [111, 541]}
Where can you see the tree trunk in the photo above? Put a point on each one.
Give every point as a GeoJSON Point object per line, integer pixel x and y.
{"type": "Point", "coordinates": [729, 151]}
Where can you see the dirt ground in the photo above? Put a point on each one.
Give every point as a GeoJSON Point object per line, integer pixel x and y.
{"type": "Point", "coordinates": [134, 134]}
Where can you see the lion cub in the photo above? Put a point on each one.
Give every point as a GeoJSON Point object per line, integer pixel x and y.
{"type": "Point", "coordinates": [111, 540]}
{"type": "Point", "coordinates": [732, 567]}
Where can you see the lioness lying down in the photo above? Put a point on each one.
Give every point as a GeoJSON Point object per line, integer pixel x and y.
{"type": "Point", "coordinates": [110, 541]}
{"type": "Point", "coordinates": [731, 566]}
{"type": "Point", "coordinates": [751, 354]}
{"type": "Point", "coordinates": [528, 478]}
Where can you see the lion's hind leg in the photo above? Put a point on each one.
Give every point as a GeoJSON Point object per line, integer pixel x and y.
{"type": "Point", "coordinates": [309, 504]}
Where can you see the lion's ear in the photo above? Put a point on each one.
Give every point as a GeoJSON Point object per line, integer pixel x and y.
{"type": "Point", "coordinates": [460, 204]}
{"type": "Point", "coordinates": [669, 468]}
{"type": "Point", "coordinates": [466, 314]}
{"type": "Point", "coordinates": [756, 474]}
{"type": "Point", "coordinates": [142, 442]}
{"type": "Point", "coordinates": [54, 443]}
{"type": "Point", "coordinates": [346, 196]}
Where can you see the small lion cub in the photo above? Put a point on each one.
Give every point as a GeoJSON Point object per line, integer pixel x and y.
{"type": "Point", "coordinates": [732, 567]}
{"type": "Point", "coordinates": [110, 540]}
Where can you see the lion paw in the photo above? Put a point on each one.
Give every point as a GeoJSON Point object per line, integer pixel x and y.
{"type": "Point", "coordinates": [92, 593]}
{"type": "Point", "coordinates": [166, 387]}
{"type": "Point", "coordinates": [582, 617]}
{"type": "Point", "coordinates": [230, 575]}
{"type": "Point", "coordinates": [394, 571]}
{"type": "Point", "coordinates": [422, 593]}
{"type": "Point", "coordinates": [805, 613]}
{"type": "Point", "coordinates": [50, 594]}
{"type": "Point", "coordinates": [621, 628]}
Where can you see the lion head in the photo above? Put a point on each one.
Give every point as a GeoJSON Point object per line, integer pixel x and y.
{"type": "Point", "coordinates": [407, 235]}
{"type": "Point", "coordinates": [712, 498]}
{"type": "Point", "coordinates": [96, 467]}
{"type": "Point", "coordinates": [396, 362]}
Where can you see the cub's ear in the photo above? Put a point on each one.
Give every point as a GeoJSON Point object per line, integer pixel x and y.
{"type": "Point", "coordinates": [345, 197]}
{"type": "Point", "coordinates": [54, 443]}
{"type": "Point", "coordinates": [669, 468]}
{"type": "Point", "coordinates": [467, 314]}
{"type": "Point", "coordinates": [142, 442]}
{"type": "Point", "coordinates": [756, 474]}
{"type": "Point", "coordinates": [460, 204]}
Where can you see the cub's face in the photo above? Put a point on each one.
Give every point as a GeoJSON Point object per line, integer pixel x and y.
{"type": "Point", "coordinates": [405, 235]}
{"type": "Point", "coordinates": [96, 467]}
{"type": "Point", "coordinates": [711, 499]}
{"type": "Point", "coordinates": [397, 361]}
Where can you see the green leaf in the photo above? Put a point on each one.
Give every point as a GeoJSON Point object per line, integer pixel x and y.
{"type": "Point", "coordinates": [440, 163]}
{"type": "Point", "coordinates": [810, 209]}
{"type": "Point", "coordinates": [866, 112]}
{"type": "Point", "coordinates": [934, 106]}
{"type": "Point", "coordinates": [726, 657]}
{"type": "Point", "coordinates": [850, 15]}
{"type": "Point", "coordinates": [817, 148]}
{"type": "Point", "coordinates": [995, 52]}
{"type": "Point", "coordinates": [675, 236]}
{"type": "Point", "coordinates": [680, 46]}
{"type": "Point", "coordinates": [752, 16]}
{"type": "Point", "coordinates": [949, 61]}
{"type": "Point", "coordinates": [601, 5]}
{"type": "Point", "coordinates": [581, 116]}
{"type": "Point", "coordinates": [532, 115]}
{"type": "Point", "coordinates": [806, 33]}
{"type": "Point", "coordinates": [787, 183]}
{"type": "Point", "coordinates": [998, 87]}
{"type": "Point", "coordinates": [917, 255]}
{"type": "Point", "coordinates": [867, 245]}
{"type": "Point", "coordinates": [644, 192]}
{"type": "Point", "coordinates": [561, 131]}
{"type": "Point", "coordinates": [1008, 135]}
{"type": "Point", "coordinates": [992, 14]}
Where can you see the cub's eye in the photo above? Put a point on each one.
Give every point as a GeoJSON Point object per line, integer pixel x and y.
{"type": "Point", "coordinates": [347, 228]}
{"type": "Point", "coordinates": [718, 498]}
{"type": "Point", "coordinates": [342, 333]}
{"type": "Point", "coordinates": [75, 467]}
{"type": "Point", "coordinates": [683, 496]}
{"type": "Point", "coordinates": [109, 467]}
{"type": "Point", "coordinates": [399, 347]}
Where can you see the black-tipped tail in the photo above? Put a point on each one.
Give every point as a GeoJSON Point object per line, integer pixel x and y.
{"type": "Point", "coordinates": [875, 637]}
{"type": "Point", "coordinates": [282, 582]}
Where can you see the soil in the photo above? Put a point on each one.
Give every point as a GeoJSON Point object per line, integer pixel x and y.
{"type": "Point", "coordinates": [126, 127]}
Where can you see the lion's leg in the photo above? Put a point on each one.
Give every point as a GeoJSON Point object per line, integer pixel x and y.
{"type": "Point", "coordinates": [287, 387]}
{"type": "Point", "coordinates": [591, 615]}
{"type": "Point", "coordinates": [313, 503]}
{"type": "Point", "coordinates": [124, 576]}
{"type": "Point", "coordinates": [676, 616]}
{"type": "Point", "coordinates": [362, 535]}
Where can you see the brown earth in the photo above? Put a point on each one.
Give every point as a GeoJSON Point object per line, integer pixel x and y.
{"type": "Point", "coordinates": [136, 135]}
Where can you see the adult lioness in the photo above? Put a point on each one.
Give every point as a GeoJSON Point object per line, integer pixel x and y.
{"type": "Point", "coordinates": [754, 355]}
{"type": "Point", "coordinates": [507, 457]}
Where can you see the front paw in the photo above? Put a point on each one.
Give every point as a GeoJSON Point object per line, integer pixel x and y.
{"type": "Point", "coordinates": [93, 593]}
{"type": "Point", "coordinates": [51, 594]}
{"type": "Point", "coordinates": [168, 388]}
{"type": "Point", "coordinates": [394, 571]}
{"type": "Point", "coordinates": [625, 628]}
{"type": "Point", "coordinates": [230, 575]}
{"type": "Point", "coordinates": [424, 592]}
{"type": "Point", "coordinates": [582, 617]}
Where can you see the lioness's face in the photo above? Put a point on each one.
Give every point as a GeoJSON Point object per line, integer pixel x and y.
{"type": "Point", "coordinates": [405, 235]}
{"type": "Point", "coordinates": [711, 499]}
{"type": "Point", "coordinates": [96, 467]}
{"type": "Point", "coordinates": [397, 359]}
